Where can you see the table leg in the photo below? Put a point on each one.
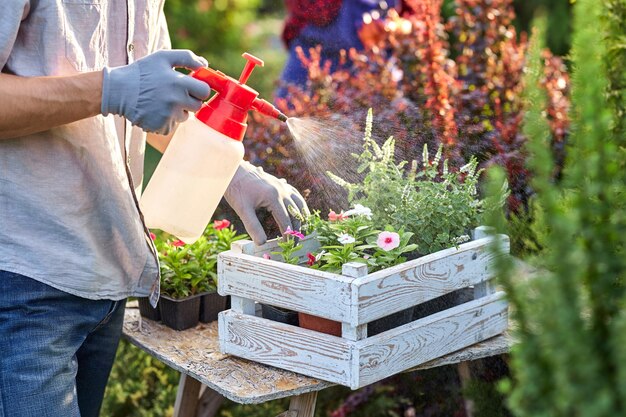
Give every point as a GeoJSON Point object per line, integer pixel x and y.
{"type": "Point", "coordinates": [187, 395]}
{"type": "Point", "coordinates": [465, 375]}
{"type": "Point", "coordinates": [303, 405]}
{"type": "Point", "coordinates": [210, 402]}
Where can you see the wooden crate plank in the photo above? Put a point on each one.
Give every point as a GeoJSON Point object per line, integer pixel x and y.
{"type": "Point", "coordinates": [287, 347]}
{"type": "Point", "coordinates": [289, 286]}
{"type": "Point", "coordinates": [247, 247]}
{"type": "Point", "coordinates": [385, 292]}
{"type": "Point", "coordinates": [407, 346]}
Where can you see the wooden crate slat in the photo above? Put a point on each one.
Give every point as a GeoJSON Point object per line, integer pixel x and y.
{"type": "Point", "coordinates": [289, 286]}
{"type": "Point", "coordinates": [288, 347]}
{"type": "Point", "coordinates": [394, 289]}
{"type": "Point", "coordinates": [247, 247]}
{"type": "Point", "coordinates": [442, 333]}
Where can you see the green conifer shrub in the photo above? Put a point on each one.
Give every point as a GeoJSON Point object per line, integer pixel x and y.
{"type": "Point", "coordinates": [570, 319]}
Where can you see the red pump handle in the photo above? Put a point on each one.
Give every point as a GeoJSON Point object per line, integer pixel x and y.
{"type": "Point", "coordinates": [227, 111]}
{"type": "Point", "coordinates": [247, 70]}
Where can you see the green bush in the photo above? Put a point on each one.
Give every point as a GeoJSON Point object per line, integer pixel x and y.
{"type": "Point", "coordinates": [571, 318]}
{"type": "Point", "coordinates": [139, 386]}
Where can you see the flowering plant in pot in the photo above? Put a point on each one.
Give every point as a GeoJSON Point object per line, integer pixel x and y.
{"type": "Point", "coordinates": [221, 234]}
{"type": "Point", "coordinates": [189, 275]}
{"type": "Point", "coordinates": [401, 211]}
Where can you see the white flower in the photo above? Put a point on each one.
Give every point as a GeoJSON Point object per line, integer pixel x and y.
{"type": "Point", "coordinates": [460, 239]}
{"type": "Point", "coordinates": [359, 210]}
{"type": "Point", "coordinates": [345, 239]}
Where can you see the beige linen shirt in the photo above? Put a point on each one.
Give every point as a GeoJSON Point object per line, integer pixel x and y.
{"type": "Point", "coordinates": [68, 212]}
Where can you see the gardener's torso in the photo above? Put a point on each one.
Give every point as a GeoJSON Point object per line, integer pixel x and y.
{"type": "Point", "coordinates": [67, 212]}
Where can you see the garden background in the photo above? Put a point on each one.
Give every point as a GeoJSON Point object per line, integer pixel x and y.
{"type": "Point", "coordinates": [486, 91]}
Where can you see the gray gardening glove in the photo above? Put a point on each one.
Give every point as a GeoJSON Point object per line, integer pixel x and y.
{"type": "Point", "coordinates": [252, 188]}
{"type": "Point", "coordinates": [151, 94]}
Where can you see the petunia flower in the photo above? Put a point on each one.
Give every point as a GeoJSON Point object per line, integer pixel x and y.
{"type": "Point", "coordinates": [295, 233]}
{"type": "Point", "coordinates": [388, 240]}
{"type": "Point", "coordinates": [178, 243]}
{"type": "Point", "coordinates": [359, 210]}
{"type": "Point", "coordinates": [345, 239]}
{"type": "Point", "coordinates": [334, 217]}
{"type": "Point", "coordinates": [266, 256]}
{"type": "Point", "coordinates": [221, 224]}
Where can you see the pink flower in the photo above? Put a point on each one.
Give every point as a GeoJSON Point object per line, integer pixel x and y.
{"type": "Point", "coordinates": [294, 233]}
{"type": "Point", "coordinates": [221, 224]}
{"type": "Point", "coordinates": [388, 240]}
{"type": "Point", "coordinates": [266, 256]}
{"type": "Point", "coordinates": [334, 217]}
{"type": "Point", "coordinates": [311, 260]}
{"type": "Point", "coordinates": [152, 236]}
{"type": "Point", "coordinates": [178, 243]}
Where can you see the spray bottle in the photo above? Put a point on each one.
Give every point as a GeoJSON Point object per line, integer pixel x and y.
{"type": "Point", "coordinates": [203, 155]}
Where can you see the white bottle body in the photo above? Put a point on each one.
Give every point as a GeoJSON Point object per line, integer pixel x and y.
{"type": "Point", "coordinates": [190, 180]}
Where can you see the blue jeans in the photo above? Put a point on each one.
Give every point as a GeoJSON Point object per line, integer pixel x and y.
{"type": "Point", "coordinates": [56, 349]}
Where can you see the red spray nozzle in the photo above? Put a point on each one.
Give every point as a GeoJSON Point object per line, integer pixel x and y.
{"type": "Point", "coordinates": [227, 110]}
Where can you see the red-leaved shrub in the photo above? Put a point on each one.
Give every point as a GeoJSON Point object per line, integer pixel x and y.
{"type": "Point", "coordinates": [470, 104]}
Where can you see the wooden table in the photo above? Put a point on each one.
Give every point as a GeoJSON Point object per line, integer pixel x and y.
{"type": "Point", "coordinates": [207, 376]}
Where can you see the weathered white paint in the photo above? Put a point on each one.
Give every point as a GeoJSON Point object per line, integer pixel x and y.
{"type": "Point", "coordinates": [247, 247]}
{"type": "Point", "coordinates": [242, 305]}
{"type": "Point", "coordinates": [356, 298]}
{"type": "Point", "coordinates": [434, 336]}
{"type": "Point", "coordinates": [286, 347]}
{"type": "Point", "coordinates": [488, 287]}
{"type": "Point", "coordinates": [481, 232]}
{"type": "Point", "coordinates": [353, 332]}
{"type": "Point", "coordinates": [359, 363]}
{"type": "Point", "coordinates": [393, 289]}
{"type": "Point", "coordinates": [289, 286]}
{"type": "Point", "coordinates": [354, 270]}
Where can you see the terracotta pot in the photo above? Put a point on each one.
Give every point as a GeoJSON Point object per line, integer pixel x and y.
{"type": "Point", "coordinates": [211, 304]}
{"type": "Point", "coordinates": [319, 324]}
{"type": "Point", "coordinates": [180, 314]}
{"type": "Point", "coordinates": [146, 310]}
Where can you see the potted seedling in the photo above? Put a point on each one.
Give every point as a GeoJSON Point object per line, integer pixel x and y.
{"type": "Point", "coordinates": [221, 234]}
{"type": "Point", "coordinates": [189, 276]}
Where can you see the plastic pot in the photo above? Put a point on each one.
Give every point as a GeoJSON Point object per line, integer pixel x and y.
{"type": "Point", "coordinates": [319, 324]}
{"type": "Point", "coordinates": [180, 314]}
{"type": "Point", "coordinates": [211, 303]}
{"type": "Point", "coordinates": [147, 311]}
{"type": "Point", "coordinates": [280, 315]}
{"type": "Point", "coordinates": [390, 322]}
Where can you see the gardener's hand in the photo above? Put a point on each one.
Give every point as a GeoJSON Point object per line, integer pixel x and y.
{"type": "Point", "coordinates": [151, 94]}
{"type": "Point", "coordinates": [252, 188]}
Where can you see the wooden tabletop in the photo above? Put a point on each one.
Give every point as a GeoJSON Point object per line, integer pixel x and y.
{"type": "Point", "coordinates": [195, 352]}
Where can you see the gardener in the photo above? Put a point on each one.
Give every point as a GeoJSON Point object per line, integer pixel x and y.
{"type": "Point", "coordinates": [332, 24]}
{"type": "Point", "coordinates": [80, 84]}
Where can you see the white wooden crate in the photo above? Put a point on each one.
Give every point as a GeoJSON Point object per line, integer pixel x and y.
{"type": "Point", "coordinates": [356, 298]}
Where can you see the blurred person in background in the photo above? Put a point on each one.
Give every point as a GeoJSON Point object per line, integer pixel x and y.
{"type": "Point", "coordinates": [333, 24]}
